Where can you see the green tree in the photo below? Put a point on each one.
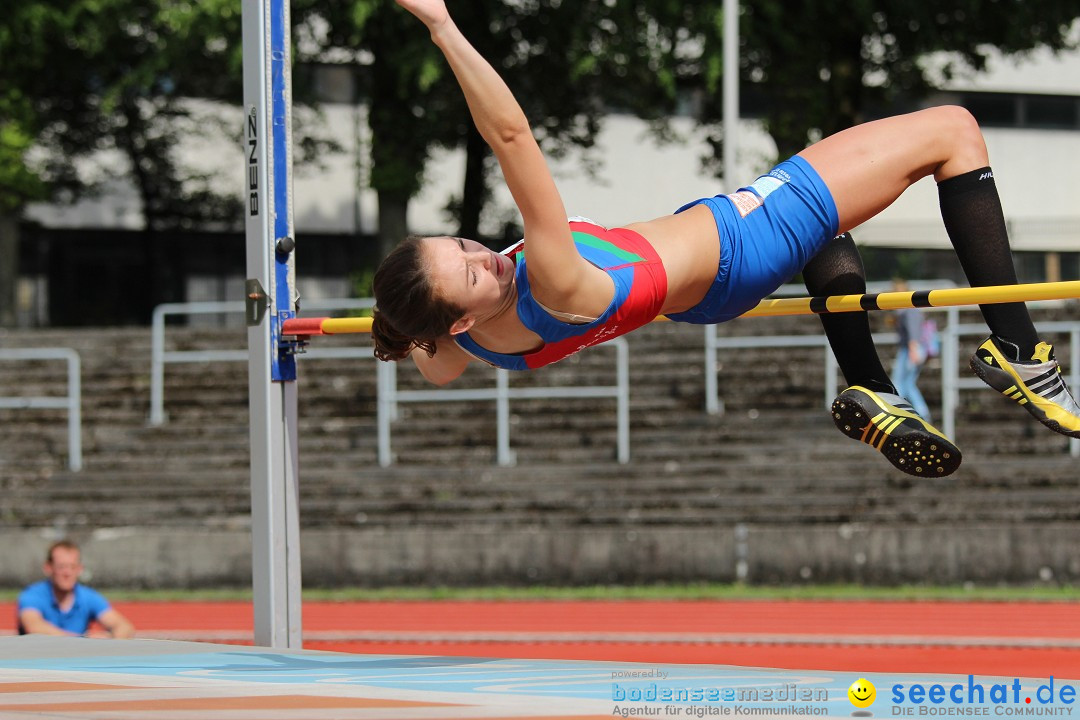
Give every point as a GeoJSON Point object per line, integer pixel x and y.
{"type": "Point", "coordinates": [821, 66]}
{"type": "Point", "coordinates": [18, 186]}
{"type": "Point", "coordinates": [22, 49]}
{"type": "Point", "coordinates": [817, 68]}
{"type": "Point", "coordinates": [395, 73]}
{"type": "Point", "coordinates": [568, 64]}
{"type": "Point", "coordinates": [81, 76]}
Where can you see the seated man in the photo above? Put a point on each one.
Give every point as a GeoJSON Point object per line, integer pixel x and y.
{"type": "Point", "coordinates": [59, 605]}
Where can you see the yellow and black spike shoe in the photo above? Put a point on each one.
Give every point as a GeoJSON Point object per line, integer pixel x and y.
{"type": "Point", "coordinates": [887, 423]}
{"type": "Point", "coordinates": [1036, 384]}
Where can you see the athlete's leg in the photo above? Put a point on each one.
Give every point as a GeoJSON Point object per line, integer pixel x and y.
{"type": "Point", "coordinates": [867, 167]}
{"type": "Point", "coordinates": [838, 270]}
{"type": "Point", "coordinates": [871, 410]}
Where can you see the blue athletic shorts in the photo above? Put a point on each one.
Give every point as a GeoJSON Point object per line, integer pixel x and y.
{"type": "Point", "coordinates": [768, 232]}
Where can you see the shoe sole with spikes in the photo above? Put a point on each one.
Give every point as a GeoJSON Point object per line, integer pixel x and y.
{"type": "Point", "coordinates": [911, 444]}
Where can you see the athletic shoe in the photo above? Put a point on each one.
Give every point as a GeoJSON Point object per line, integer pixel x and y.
{"type": "Point", "coordinates": [1036, 384]}
{"type": "Point", "coordinates": [888, 423]}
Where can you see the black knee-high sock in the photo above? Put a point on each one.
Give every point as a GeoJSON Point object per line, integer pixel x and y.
{"type": "Point", "coordinates": [838, 270]}
{"type": "Point", "coordinates": [971, 210]}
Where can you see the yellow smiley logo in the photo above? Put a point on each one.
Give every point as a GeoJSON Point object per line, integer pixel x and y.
{"type": "Point", "coordinates": [862, 693]}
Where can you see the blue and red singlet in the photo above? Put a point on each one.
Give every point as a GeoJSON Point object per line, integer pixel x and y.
{"type": "Point", "coordinates": [640, 289]}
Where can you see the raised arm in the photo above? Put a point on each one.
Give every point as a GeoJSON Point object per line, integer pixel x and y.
{"type": "Point", "coordinates": [557, 271]}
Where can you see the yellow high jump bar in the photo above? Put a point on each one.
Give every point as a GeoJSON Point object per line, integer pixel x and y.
{"type": "Point", "coordinates": [947, 297]}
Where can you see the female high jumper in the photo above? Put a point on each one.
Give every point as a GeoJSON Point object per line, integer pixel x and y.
{"type": "Point", "coordinates": [573, 284]}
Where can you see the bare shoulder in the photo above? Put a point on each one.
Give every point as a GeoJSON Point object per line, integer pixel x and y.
{"type": "Point", "coordinates": [448, 363]}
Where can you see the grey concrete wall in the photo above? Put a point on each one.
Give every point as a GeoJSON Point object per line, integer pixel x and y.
{"type": "Point", "coordinates": [190, 558]}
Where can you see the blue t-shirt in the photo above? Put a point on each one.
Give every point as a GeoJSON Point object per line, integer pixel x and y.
{"type": "Point", "coordinates": [88, 606]}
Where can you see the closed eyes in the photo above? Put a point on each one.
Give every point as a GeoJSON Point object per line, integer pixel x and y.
{"type": "Point", "coordinates": [470, 268]}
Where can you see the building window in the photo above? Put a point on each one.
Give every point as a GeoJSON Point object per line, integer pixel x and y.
{"type": "Point", "coordinates": [1047, 112]}
{"type": "Point", "coordinates": [1050, 111]}
{"type": "Point", "coordinates": [992, 109]}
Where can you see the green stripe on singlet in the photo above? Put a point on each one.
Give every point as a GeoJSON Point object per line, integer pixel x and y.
{"type": "Point", "coordinates": [599, 244]}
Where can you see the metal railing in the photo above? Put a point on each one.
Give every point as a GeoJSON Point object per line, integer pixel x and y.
{"type": "Point", "coordinates": [714, 405]}
{"type": "Point", "coordinates": [389, 396]}
{"type": "Point", "coordinates": [951, 380]}
{"type": "Point", "coordinates": [502, 394]}
{"type": "Point", "coordinates": [160, 357]}
{"type": "Point", "coordinates": [72, 402]}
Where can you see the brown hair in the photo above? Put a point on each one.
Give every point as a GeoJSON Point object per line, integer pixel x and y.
{"type": "Point", "coordinates": [61, 545]}
{"type": "Point", "coordinates": [409, 313]}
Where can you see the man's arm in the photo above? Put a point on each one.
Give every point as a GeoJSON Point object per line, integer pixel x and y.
{"type": "Point", "coordinates": [34, 623]}
{"type": "Point", "coordinates": [117, 625]}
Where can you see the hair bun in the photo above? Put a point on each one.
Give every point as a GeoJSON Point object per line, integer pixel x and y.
{"type": "Point", "coordinates": [390, 345]}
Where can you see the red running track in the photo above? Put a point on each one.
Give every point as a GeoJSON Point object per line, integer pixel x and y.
{"type": "Point", "coordinates": [1027, 639]}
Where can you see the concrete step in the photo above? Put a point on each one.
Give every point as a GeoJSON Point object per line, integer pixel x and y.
{"type": "Point", "coordinates": [774, 451]}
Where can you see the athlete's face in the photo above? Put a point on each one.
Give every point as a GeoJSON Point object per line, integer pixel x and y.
{"type": "Point", "coordinates": [467, 274]}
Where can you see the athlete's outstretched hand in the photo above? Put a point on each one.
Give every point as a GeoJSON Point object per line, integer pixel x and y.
{"type": "Point", "coordinates": [432, 13]}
